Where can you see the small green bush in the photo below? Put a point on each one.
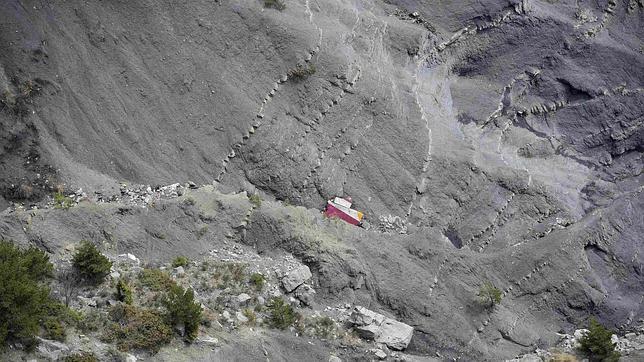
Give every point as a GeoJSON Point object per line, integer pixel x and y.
{"type": "Point", "coordinates": [489, 295]}
{"type": "Point", "coordinates": [257, 280]}
{"type": "Point", "coordinates": [180, 261]}
{"type": "Point", "coordinates": [81, 357]}
{"type": "Point", "coordinates": [281, 315]}
{"type": "Point", "coordinates": [596, 344]}
{"type": "Point", "coordinates": [255, 199]}
{"type": "Point", "coordinates": [24, 298]}
{"type": "Point", "coordinates": [183, 310]}
{"type": "Point", "coordinates": [274, 4]}
{"type": "Point", "coordinates": [302, 71]}
{"type": "Point", "coordinates": [93, 321]}
{"type": "Point", "coordinates": [123, 291]}
{"type": "Point", "coordinates": [62, 202]}
{"type": "Point", "coordinates": [323, 327]}
{"type": "Point", "coordinates": [137, 328]}
{"type": "Point", "coordinates": [54, 329]}
{"type": "Point", "coordinates": [90, 264]}
{"type": "Point", "coordinates": [237, 271]}
{"type": "Point", "coordinates": [156, 279]}
{"type": "Point", "coordinates": [250, 314]}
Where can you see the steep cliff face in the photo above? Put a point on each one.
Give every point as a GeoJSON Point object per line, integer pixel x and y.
{"type": "Point", "coordinates": [505, 135]}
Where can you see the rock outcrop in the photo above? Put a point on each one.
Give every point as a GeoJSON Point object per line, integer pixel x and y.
{"type": "Point", "coordinates": [374, 326]}
{"type": "Point", "coordinates": [295, 278]}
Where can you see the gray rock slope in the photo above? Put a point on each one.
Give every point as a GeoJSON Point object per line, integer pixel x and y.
{"type": "Point", "coordinates": [507, 135]}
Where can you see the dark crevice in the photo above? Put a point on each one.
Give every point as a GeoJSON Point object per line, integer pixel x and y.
{"type": "Point", "coordinates": [574, 95]}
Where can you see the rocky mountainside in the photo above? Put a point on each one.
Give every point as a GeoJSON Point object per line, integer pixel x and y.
{"type": "Point", "coordinates": [486, 141]}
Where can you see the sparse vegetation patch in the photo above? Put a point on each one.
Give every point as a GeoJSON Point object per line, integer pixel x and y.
{"type": "Point", "coordinates": [275, 4]}
{"type": "Point", "coordinates": [489, 295]}
{"type": "Point", "coordinates": [302, 71]}
{"type": "Point", "coordinates": [137, 328]}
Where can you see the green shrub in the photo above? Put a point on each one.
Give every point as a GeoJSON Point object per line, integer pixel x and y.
{"type": "Point", "coordinates": [62, 202]}
{"type": "Point", "coordinates": [255, 199]}
{"type": "Point", "coordinates": [81, 357]}
{"type": "Point", "coordinates": [180, 261]}
{"type": "Point", "coordinates": [23, 296]}
{"type": "Point", "coordinates": [281, 314]}
{"type": "Point", "coordinates": [257, 280]}
{"type": "Point", "coordinates": [596, 344]}
{"type": "Point", "coordinates": [156, 279]}
{"type": "Point", "coordinates": [489, 295]}
{"type": "Point", "coordinates": [93, 321]}
{"type": "Point", "coordinates": [237, 271]}
{"type": "Point", "coordinates": [183, 310]}
{"type": "Point", "coordinates": [137, 328]}
{"type": "Point", "coordinates": [54, 329]}
{"type": "Point", "coordinates": [90, 264]}
{"type": "Point", "coordinates": [302, 71]}
{"type": "Point", "coordinates": [323, 327]}
{"type": "Point", "coordinates": [274, 4]}
{"type": "Point", "coordinates": [123, 291]}
{"type": "Point", "coordinates": [250, 314]}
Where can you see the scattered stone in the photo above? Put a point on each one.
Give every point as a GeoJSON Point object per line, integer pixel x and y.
{"type": "Point", "coordinates": [129, 258]}
{"type": "Point", "coordinates": [296, 277]}
{"type": "Point", "coordinates": [130, 358]}
{"type": "Point", "coordinates": [179, 270]}
{"type": "Point", "coordinates": [333, 358]}
{"type": "Point", "coordinates": [208, 340]}
{"type": "Point", "coordinates": [52, 350]}
{"type": "Point", "coordinates": [243, 298]}
{"type": "Point", "coordinates": [89, 302]}
{"type": "Point", "coordinates": [379, 353]}
{"type": "Point", "coordinates": [241, 317]}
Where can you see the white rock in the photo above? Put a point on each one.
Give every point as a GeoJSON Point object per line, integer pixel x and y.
{"type": "Point", "coordinates": [179, 270]}
{"type": "Point", "coordinates": [296, 277]}
{"type": "Point", "coordinates": [208, 340]}
{"type": "Point", "coordinates": [130, 257]}
{"type": "Point", "coordinates": [379, 353]}
{"type": "Point", "coordinates": [226, 314]}
{"type": "Point", "coordinates": [241, 317]}
{"type": "Point", "coordinates": [334, 359]}
{"type": "Point", "coordinates": [130, 358]}
{"type": "Point", "coordinates": [372, 325]}
{"type": "Point", "coordinates": [243, 298]}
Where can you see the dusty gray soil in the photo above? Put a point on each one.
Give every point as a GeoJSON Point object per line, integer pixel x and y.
{"type": "Point", "coordinates": [506, 136]}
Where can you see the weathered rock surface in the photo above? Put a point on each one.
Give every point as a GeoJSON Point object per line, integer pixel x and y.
{"type": "Point", "coordinates": [295, 278]}
{"type": "Point", "coordinates": [485, 140]}
{"type": "Point", "coordinates": [375, 326]}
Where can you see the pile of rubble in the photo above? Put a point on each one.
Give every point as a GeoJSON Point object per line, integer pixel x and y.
{"type": "Point", "coordinates": [392, 224]}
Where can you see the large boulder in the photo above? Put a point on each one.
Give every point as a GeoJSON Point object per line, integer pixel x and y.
{"type": "Point", "coordinates": [305, 294]}
{"type": "Point", "coordinates": [295, 278]}
{"type": "Point", "coordinates": [375, 326]}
